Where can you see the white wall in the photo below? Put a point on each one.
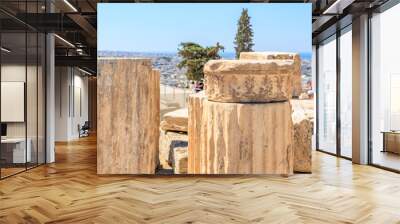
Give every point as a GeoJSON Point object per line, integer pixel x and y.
{"type": "Point", "coordinates": [62, 82]}
{"type": "Point", "coordinates": [80, 109]}
{"type": "Point", "coordinates": [70, 83]}
{"type": "Point", "coordinates": [12, 73]}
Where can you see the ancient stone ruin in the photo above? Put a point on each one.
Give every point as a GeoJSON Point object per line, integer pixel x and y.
{"type": "Point", "coordinates": [128, 98]}
{"type": "Point", "coordinates": [176, 120]}
{"type": "Point", "coordinates": [174, 141]}
{"type": "Point", "coordinates": [251, 81]}
{"type": "Point", "coordinates": [284, 56]}
{"type": "Point", "coordinates": [303, 121]}
{"type": "Point", "coordinates": [243, 123]}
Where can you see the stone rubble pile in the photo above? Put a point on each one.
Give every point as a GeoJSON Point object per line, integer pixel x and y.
{"type": "Point", "coordinates": [169, 141]}
{"type": "Point", "coordinates": [176, 120]}
{"type": "Point", "coordinates": [180, 161]}
{"type": "Point", "coordinates": [174, 141]}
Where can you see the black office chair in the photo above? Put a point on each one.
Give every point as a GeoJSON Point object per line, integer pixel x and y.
{"type": "Point", "coordinates": [84, 130]}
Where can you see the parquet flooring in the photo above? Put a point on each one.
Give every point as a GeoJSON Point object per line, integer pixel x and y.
{"type": "Point", "coordinates": [8, 171]}
{"type": "Point", "coordinates": [69, 191]}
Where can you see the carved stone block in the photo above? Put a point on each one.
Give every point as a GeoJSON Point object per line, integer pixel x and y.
{"type": "Point", "coordinates": [251, 81]}
{"type": "Point", "coordinates": [296, 80]}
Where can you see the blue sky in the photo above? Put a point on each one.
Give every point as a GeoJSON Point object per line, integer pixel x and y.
{"type": "Point", "coordinates": [161, 27]}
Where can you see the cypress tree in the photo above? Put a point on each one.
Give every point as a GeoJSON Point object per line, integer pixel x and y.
{"type": "Point", "coordinates": [244, 35]}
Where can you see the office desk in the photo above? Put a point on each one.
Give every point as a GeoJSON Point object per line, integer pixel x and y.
{"type": "Point", "coordinates": [15, 148]}
{"type": "Point", "coordinates": [391, 141]}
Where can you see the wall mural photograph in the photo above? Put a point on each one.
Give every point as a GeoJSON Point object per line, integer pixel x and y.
{"type": "Point", "coordinates": [206, 88]}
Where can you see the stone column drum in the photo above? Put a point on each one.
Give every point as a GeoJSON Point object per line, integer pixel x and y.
{"type": "Point", "coordinates": [284, 56]}
{"type": "Point", "coordinates": [244, 138]}
{"type": "Point", "coordinates": [128, 118]}
{"type": "Point", "coordinates": [243, 124]}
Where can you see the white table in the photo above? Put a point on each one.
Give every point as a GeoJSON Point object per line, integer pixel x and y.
{"type": "Point", "coordinates": [19, 153]}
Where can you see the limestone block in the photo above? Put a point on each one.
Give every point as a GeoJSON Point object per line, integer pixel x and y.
{"type": "Point", "coordinates": [303, 121]}
{"type": "Point", "coordinates": [176, 120]}
{"type": "Point", "coordinates": [195, 109]}
{"type": "Point", "coordinates": [304, 96]}
{"type": "Point", "coordinates": [296, 80]}
{"type": "Point", "coordinates": [305, 106]}
{"type": "Point", "coordinates": [168, 142]}
{"type": "Point", "coordinates": [180, 162]}
{"type": "Point", "coordinates": [241, 138]}
{"type": "Point", "coordinates": [128, 118]}
{"type": "Point", "coordinates": [248, 80]}
{"type": "Point", "coordinates": [302, 138]}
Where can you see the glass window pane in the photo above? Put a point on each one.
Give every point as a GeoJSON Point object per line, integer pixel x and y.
{"type": "Point", "coordinates": [385, 84]}
{"type": "Point", "coordinates": [22, 90]}
{"type": "Point", "coordinates": [31, 87]}
{"type": "Point", "coordinates": [41, 98]}
{"type": "Point", "coordinates": [31, 97]}
{"type": "Point", "coordinates": [327, 96]}
{"type": "Point", "coordinates": [13, 86]}
{"type": "Point", "coordinates": [346, 94]}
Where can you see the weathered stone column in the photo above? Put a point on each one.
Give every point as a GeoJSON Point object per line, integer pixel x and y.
{"type": "Point", "coordinates": [195, 120]}
{"type": "Point", "coordinates": [243, 125]}
{"type": "Point", "coordinates": [284, 56]}
{"type": "Point", "coordinates": [128, 119]}
{"type": "Point", "coordinates": [245, 138]}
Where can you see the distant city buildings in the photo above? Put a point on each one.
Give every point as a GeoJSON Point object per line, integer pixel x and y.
{"type": "Point", "coordinates": [171, 75]}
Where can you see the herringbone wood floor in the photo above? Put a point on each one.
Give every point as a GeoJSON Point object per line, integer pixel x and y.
{"type": "Point", "coordinates": [69, 191]}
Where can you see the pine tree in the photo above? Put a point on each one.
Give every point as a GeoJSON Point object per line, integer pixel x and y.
{"type": "Point", "coordinates": [194, 57]}
{"type": "Point", "coordinates": [244, 35]}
